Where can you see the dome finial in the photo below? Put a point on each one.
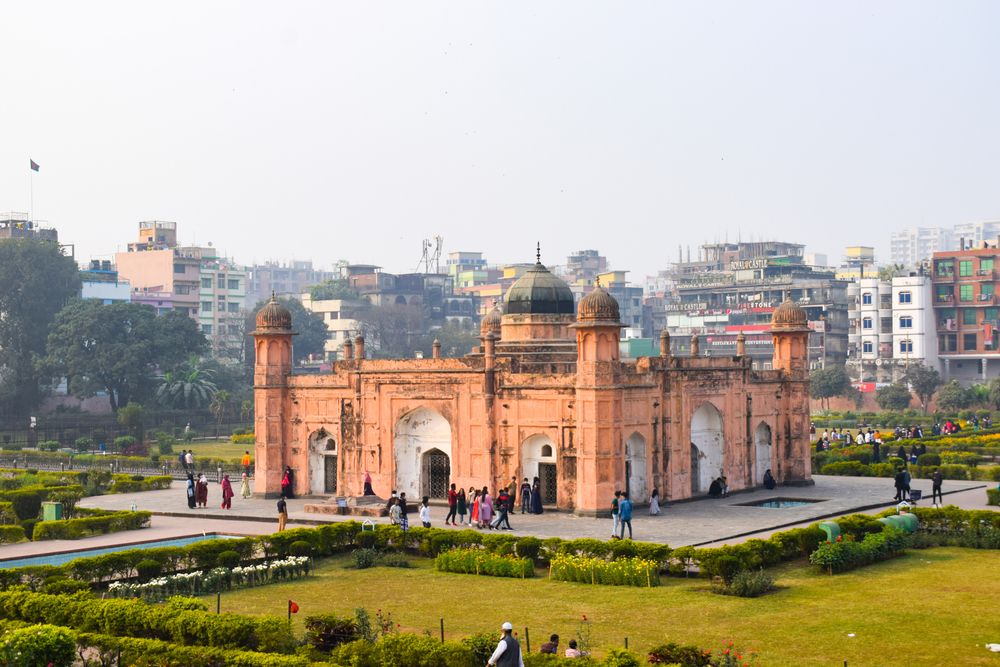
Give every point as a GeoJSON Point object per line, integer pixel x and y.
{"type": "Point", "coordinates": [538, 252]}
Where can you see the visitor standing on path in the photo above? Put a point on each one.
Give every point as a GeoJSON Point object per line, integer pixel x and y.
{"type": "Point", "coordinates": [512, 495]}
{"type": "Point", "coordinates": [460, 507]}
{"type": "Point", "coordinates": [202, 490]}
{"type": "Point", "coordinates": [404, 521]}
{"type": "Point", "coordinates": [394, 515]}
{"type": "Point", "coordinates": [245, 487]}
{"type": "Point", "coordinates": [286, 483]}
{"type": "Point", "coordinates": [525, 496]}
{"type": "Point", "coordinates": [614, 514]}
{"type": "Point", "coordinates": [485, 508]}
{"type": "Point", "coordinates": [189, 459]}
{"type": "Point", "coordinates": [245, 462]}
{"type": "Point", "coordinates": [508, 651]}
{"type": "Point", "coordinates": [625, 515]}
{"type": "Point", "coordinates": [654, 503]}
{"type": "Point", "coordinates": [182, 459]}
{"type": "Point", "coordinates": [282, 513]}
{"type": "Point", "coordinates": [769, 481]}
{"type": "Point", "coordinates": [536, 497]}
{"type": "Point", "coordinates": [452, 505]}
{"type": "Point", "coordinates": [368, 491]}
{"type": "Point", "coordinates": [227, 493]}
{"type": "Point", "coordinates": [191, 494]}
{"type": "Point", "coordinates": [425, 512]}
{"type": "Point", "coordinates": [936, 479]}
{"type": "Point", "coordinates": [474, 514]}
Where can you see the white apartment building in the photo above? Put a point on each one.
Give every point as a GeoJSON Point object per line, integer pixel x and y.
{"type": "Point", "coordinates": [914, 245]}
{"type": "Point", "coordinates": [339, 317]}
{"type": "Point", "coordinates": [891, 325]}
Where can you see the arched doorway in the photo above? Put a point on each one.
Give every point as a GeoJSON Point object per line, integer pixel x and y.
{"type": "Point", "coordinates": [706, 447]}
{"type": "Point", "coordinates": [635, 468]}
{"type": "Point", "coordinates": [421, 438]}
{"type": "Point", "coordinates": [538, 459]}
{"type": "Point", "coordinates": [762, 449]}
{"type": "Point", "coordinates": [322, 463]}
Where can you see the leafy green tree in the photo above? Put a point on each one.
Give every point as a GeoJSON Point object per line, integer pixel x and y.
{"type": "Point", "coordinates": [392, 331]}
{"type": "Point", "coordinates": [893, 397]}
{"type": "Point", "coordinates": [456, 341]}
{"type": "Point", "coordinates": [994, 389]}
{"type": "Point", "coordinates": [825, 383]}
{"type": "Point", "coordinates": [310, 327]}
{"type": "Point", "coordinates": [219, 406]}
{"type": "Point", "coordinates": [133, 417]}
{"type": "Point", "coordinates": [923, 381]}
{"type": "Point", "coordinates": [952, 397]}
{"type": "Point", "coordinates": [333, 289]}
{"type": "Point", "coordinates": [36, 281]}
{"type": "Point", "coordinates": [117, 348]}
{"type": "Point", "coordinates": [188, 387]}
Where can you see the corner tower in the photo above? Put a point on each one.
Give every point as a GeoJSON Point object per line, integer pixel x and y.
{"type": "Point", "coordinates": [272, 365]}
{"type": "Point", "coordinates": [790, 332]}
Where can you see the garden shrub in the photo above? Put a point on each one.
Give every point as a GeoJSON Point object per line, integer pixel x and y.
{"type": "Point", "coordinates": [367, 539]}
{"type": "Point", "coordinates": [129, 483]}
{"type": "Point", "coordinates": [993, 496]}
{"type": "Point", "coordinates": [929, 459]}
{"type": "Point", "coordinates": [848, 554]}
{"type": "Point", "coordinates": [528, 547]}
{"type": "Point", "coordinates": [13, 534]}
{"type": "Point", "coordinates": [588, 570]}
{"type": "Point", "coordinates": [328, 631]}
{"type": "Point", "coordinates": [620, 657]}
{"type": "Point", "coordinates": [228, 559]}
{"type": "Point", "coordinates": [393, 559]}
{"type": "Point", "coordinates": [365, 558]}
{"type": "Point", "coordinates": [673, 653]}
{"type": "Point", "coordinates": [38, 645]}
{"type": "Point", "coordinates": [749, 584]}
{"type": "Point", "coordinates": [300, 548]}
{"type": "Point", "coordinates": [84, 444]}
{"type": "Point", "coordinates": [74, 529]}
{"type": "Point", "coordinates": [848, 468]}
{"type": "Point", "coordinates": [148, 569]}
{"type": "Point", "coordinates": [244, 438]}
{"type": "Point", "coordinates": [482, 562]}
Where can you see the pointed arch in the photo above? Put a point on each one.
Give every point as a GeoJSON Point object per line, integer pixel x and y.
{"type": "Point", "coordinates": [416, 433]}
{"type": "Point", "coordinates": [636, 476]}
{"type": "Point", "coordinates": [706, 447]}
{"type": "Point", "coordinates": [762, 443]}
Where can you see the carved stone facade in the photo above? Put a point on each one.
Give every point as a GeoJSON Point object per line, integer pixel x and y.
{"type": "Point", "coordinates": [545, 395]}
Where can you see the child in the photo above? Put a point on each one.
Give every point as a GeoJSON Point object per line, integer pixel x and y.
{"type": "Point", "coordinates": [394, 512]}
{"type": "Point", "coordinates": [425, 512]}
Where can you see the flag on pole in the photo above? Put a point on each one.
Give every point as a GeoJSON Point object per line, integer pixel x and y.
{"type": "Point", "coordinates": [34, 165]}
{"type": "Point", "coordinates": [292, 607]}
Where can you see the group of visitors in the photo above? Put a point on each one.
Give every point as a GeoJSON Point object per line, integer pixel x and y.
{"type": "Point", "coordinates": [719, 488]}
{"type": "Point", "coordinates": [621, 515]}
{"type": "Point", "coordinates": [843, 438]}
{"type": "Point", "coordinates": [197, 490]}
{"type": "Point", "coordinates": [508, 651]}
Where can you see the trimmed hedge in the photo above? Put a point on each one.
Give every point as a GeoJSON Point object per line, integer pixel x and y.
{"type": "Point", "coordinates": [12, 534]}
{"type": "Point", "coordinates": [75, 529]}
{"type": "Point", "coordinates": [993, 496]}
{"type": "Point", "coordinates": [480, 561]}
{"type": "Point", "coordinates": [129, 484]}
{"type": "Point", "coordinates": [848, 554]}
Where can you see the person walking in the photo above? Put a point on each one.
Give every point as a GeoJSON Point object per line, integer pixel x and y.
{"type": "Point", "coordinates": [452, 505]}
{"type": "Point", "coordinates": [936, 479]}
{"type": "Point", "coordinates": [536, 497]}
{"type": "Point", "coordinates": [245, 487]}
{"type": "Point", "coordinates": [614, 514]}
{"type": "Point", "coordinates": [394, 515]}
{"type": "Point", "coordinates": [189, 460]}
{"type": "Point", "coordinates": [625, 515]}
{"type": "Point", "coordinates": [227, 493]}
{"type": "Point", "coordinates": [425, 512]}
{"type": "Point", "coordinates": [461, 507]}
{"type": "Point", "coordinates": [502, 522]}
{"type": "Point", "coordinates": [485, 508]}
{"type": "Point", "coordinates": [906, 483]}
{"type": "Point", "coordinates": [525, 496]}
{"type": "Point", "coordinates": [282, 513]}
{"type": "Point", "coordinates": [182, 459]}
{"type": "Point", "coordinates": [897, 481]}
{"type": "Point", "coordinates": [245, 462]}
{"type": "Point", "coordinates": [508, 651]}
{"type": "Point", "coordinates": [201, 489]}
{"type": "Point", "coordinates": [654, 502]}
{"type": "Point", "coordinates": [404, 520]}
{"type": "Point", "coordinates": [474, 514]}
{"type": "Point", "coordinates": [191, 492]}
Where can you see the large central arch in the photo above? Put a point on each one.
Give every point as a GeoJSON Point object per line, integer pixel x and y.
{"type": "Point", "coordinates": [635, 468]}
{"type": "Point", "coordinates": [538, 459]}
{"type": "Point", "coordinates": [706, 447]}
{"type": "Point", "coordinates": [762, 447]}
{"type": "Point", "coordinates": [322, 463]}
{"type": "Point", "coordinates": [417, 433]}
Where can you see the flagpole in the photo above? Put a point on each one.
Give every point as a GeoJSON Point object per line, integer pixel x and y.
{"type": "Point", "coordinates": [31, 194]}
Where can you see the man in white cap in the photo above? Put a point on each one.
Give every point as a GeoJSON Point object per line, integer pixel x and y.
{"type": "Point", "coordinates": [508, 651]}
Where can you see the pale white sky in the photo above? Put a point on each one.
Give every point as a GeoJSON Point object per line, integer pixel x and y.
{"type": "Point", "coordinates": [329, 130]}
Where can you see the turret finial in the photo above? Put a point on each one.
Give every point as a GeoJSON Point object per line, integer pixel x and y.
{"type": "Point", "coordinates": [538, 252]}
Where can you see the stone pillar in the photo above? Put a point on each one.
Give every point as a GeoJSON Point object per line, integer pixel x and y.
{"type": "Point", "coordinates": [741, 345]}
{"type": "Point", "coordinates": [984, 362]}
{"type": "Point", "coordinates": [665, 344]}
{"type": "Point", "coordinates": [436, 349]}
{"type": "Point", "coordinates": [947, 370]}
{"type": "Point", "coordinates": [694, 345]}
{"type": "Point", "coordinates": [359, 347]}
{"type": "Point", "coordinates": [348, 353]}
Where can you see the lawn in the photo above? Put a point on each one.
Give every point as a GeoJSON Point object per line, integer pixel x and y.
{"type": "Point", "coordinates": [219, 449]}
{"type": "Point", "coordinates": [931, 607]}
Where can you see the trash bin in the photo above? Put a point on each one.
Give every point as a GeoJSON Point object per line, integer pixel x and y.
{"type": "Point", "coordinates": [51, 511]}
{"type": "Point", "coordinates": [832, 530]}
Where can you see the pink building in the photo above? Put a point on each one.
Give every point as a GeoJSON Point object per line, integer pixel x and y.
{"type": "Point", "coordinates": [545, 395]}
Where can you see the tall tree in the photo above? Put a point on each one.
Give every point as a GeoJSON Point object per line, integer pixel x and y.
{"type": "Point", "coordinates": [36, 281]}
{"type": "Point", "coordinates": [952, 397]}
{"type": "Point", "coordinates": [456, 341]}
{"type": "Point", "coordinates": [893, 397]}
{"type": "Point", "coordinates": [188, 387]}
{"type": "Point", "coordinates": [117, 348]}
{"type": "Point", "coordinates": [392, 331]}
{"type": "Point", "coordinates": [924, 381]}
{"type": "Point", "coordinates": [825, 383]}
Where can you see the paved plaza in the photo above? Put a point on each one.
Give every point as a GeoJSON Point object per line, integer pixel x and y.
{"type": "Point", "coordinates": [698, 522]}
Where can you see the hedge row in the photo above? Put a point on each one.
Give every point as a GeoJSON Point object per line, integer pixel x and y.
{"type": "Point", "coordinates": [74, 529]}
{"type": "Point", "coordinates": [480, 561]}
{"type": "Point", "coordinates": [954, 471]}
{"type": "Point", "coordinates": [993, 496]}
{"type": "Point", "coordinates": [12, 534]}
{"type": "Point", "coordinates": [848, 554]}
{"type": "Point", "coordinates": [621, 572]}
{"type": "Point", "coordinates": [132, 484]}
{"type": "Point", "coordinates": [134, 618]}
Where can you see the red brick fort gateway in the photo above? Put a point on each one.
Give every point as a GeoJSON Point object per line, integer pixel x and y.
{"type": "Point", "coordinates": [544, 395]}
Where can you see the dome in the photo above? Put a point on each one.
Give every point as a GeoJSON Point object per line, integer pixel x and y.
{"type": "Point", "coordinates": [598, 306]}
{"type": "Point", "coordinates": [491, 323]}
{"type": "Point", "coordinates": [539, 292]}
{"type": "Point", "coordinates": [789, 315]}
{"type": "Point", "coordinates": [274, 316]}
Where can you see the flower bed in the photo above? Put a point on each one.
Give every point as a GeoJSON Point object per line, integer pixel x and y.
{"type": "Point", "coordinates": [621, 572]}
{"type": "Point", "coordinates": [482, 562]}
{"type": "Point", "coordinates": [844, 555]}
{"type": "Point", "coordinates": [200, 582]}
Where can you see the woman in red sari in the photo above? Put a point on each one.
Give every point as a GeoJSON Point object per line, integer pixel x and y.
{"type": "Point", "coordinates": [227, 493]}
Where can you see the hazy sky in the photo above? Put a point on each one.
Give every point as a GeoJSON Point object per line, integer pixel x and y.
{"type": "Point", "coordinates": [353, 130]}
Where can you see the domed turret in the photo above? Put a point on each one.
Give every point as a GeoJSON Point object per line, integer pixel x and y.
{"type": "Point", "coordinates": [539, 292]}
{"type": "Point", "coordinates": [491, 323]}
{"type": "Point", "coordinates": [598, 306]}
{"type": "Point", "coordinates": [274, 316]}
{"type": "Point", "coordinates": [789, 316]}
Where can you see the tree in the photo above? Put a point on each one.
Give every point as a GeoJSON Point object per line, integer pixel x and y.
{"type": "Point", "coordinates": [952, 397]}
{"type": "Point", "coordinates": [117, 348]}
{"type": "Point", "coordinates": [391, 331]}
{"type": "Point", "coordinates": [36, 281]}
{"type": "Point", "coordinates": [924, 381]}
{"type": "Point", "coordinates": [455, 340]}
{"type": "Point", "coordinates": [825, 383]}
{"type": "Point", "coordinates": [995, 393]}
{"type": "Point", "coordinates": [333, 289]}
{"type": "Point", "coordinates": [188, 387]}
{"type": "Point", "coordinates": [133, 416]}
{"type": "Point", "coordinates": [220, 406]}
{"type": "Point", "coordinates": [893, 397]}
{"type": "Point", "coordinates": [310, 327]}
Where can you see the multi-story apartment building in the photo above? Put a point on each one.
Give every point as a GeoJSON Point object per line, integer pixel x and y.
{"type": "Point", "coordinates": [583, 266]}
{"type": "Point", "coordinates": [629, 299]}
{"type": "Point", "coordinates": [283, 279]}
{"type": "Point", "coordinates": [967, 309]}
{"type": "Point", "coordinates": [340, 318]}
{"type": "Point", "coordinates": [910, 247]}
{"type": "Point", "coordinates": [15, 225]}
{"type": "Point", "coordinates": [891, 326]}
{"type": "Point", "coordinates": [222, 302]}
{"type": "Point", "coordinates": [859, 262]}
{"type": "Point", "coordinates": [100, 281]}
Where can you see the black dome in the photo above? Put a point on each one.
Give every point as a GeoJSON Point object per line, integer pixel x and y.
{"type": "Point", "coordinates": [539, 292]}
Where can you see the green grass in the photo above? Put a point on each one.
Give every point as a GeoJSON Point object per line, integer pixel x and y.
{"type": "Point", "coordinates": [930, 607]}
{"type": "Point", "coordinates": [219, 449]}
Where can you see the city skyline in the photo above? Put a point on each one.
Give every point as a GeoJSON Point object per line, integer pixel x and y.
{"type": "Point", "coordinates": [355, 132]}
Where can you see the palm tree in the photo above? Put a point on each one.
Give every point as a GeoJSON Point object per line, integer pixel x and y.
{"type": "Point", "coordinates": [190, 387]}
{"type": "Point", "coordinates": [219, 405]}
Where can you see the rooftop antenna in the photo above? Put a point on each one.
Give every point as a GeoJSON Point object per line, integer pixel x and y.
{"type": "Point", "coordinates": [538, 252]}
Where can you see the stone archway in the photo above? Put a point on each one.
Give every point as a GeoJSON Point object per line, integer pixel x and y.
{"type": "Point", "coordinates": [706, 447]}
{"type": "Point", "coordinates": [635, 468]}
{"type": "Point", "coordinates": [762, 449]}
{"type": "Point", "coordinates": [416, 433]}
{"type": "Point", "coordinates": [322, 463]}
{"type": "Point", "coordinates": [538, 459]}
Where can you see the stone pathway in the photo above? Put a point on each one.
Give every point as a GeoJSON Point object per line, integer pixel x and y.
{"type": "Point", "coordinates": [696, 522]}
